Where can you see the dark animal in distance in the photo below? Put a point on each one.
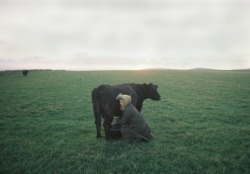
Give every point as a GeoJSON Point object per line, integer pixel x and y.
{"type": "Point", "coordinates": [25, 72]}
{"type": "Point", "coordinates": [105, 105]}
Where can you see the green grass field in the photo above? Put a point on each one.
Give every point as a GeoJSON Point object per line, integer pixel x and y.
{"type": "Point", "coordinates": [201, 125]}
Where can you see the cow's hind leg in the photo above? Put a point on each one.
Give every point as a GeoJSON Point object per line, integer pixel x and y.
{"type": "Point", "coordinates": [98, 131]}
{"type": "Point", "coordinates": [98, 126]}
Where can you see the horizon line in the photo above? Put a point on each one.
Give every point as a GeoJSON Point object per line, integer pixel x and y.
{"type": "Point", "coordinates": [142, 69]}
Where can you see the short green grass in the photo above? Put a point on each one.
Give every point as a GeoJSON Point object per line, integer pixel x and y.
{"type": "Point", "coordinates": [201, 125]}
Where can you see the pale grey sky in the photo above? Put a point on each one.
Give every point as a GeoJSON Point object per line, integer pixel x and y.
{"type": "Point", "coordinates": [124, 34]}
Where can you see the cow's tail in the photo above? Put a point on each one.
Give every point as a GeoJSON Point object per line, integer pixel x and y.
{"type": "Point", "coordinates": [97, 113]}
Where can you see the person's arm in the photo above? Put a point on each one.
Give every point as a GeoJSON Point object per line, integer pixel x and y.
{"type": "Point", "coordinates": [124, 118]}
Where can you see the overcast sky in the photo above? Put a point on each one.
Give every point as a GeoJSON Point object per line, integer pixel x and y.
{"type": "Point", "coordinates": [124, 34]}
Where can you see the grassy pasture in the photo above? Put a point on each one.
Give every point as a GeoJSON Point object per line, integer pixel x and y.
{"type": "Point", "coordinates": [201, 125]}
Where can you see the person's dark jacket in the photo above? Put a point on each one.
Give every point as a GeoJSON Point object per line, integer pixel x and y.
{"type": "Point", "coordinates": [134, 123]}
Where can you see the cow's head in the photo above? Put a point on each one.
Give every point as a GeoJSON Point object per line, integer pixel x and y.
{"type": "Point", "coordinates": [152, 91]}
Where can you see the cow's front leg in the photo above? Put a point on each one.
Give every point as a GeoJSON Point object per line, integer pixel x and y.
{"type": "Point", "coordinates": [107, 126]}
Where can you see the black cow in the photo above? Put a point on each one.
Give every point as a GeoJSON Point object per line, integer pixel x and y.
{"type": "Point", "coordinates": [25, 72]}
{"type": "Point", "coordinates": [105, 105]}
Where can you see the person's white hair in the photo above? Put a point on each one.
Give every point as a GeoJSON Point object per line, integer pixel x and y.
{"type": "Point", "coordinates": [126, 99]}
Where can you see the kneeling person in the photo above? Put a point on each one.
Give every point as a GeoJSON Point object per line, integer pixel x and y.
{"type": "Point", "coordinates": [134, 126]}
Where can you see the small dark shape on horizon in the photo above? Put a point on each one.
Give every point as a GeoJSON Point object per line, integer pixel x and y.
{"type": "Point", "coordinates": [25, 72]}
